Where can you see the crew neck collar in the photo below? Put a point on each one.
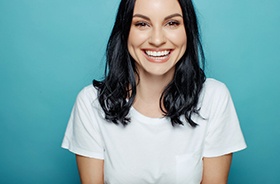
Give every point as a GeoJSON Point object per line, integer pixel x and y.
{"type": "Point", "coordinates": [145, 119]}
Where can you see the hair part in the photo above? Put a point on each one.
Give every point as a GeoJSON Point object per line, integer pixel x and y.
{"type": "Point", "coordinates": [116, 93]}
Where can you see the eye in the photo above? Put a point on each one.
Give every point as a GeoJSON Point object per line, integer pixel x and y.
{"type": "Point", "coordinates": [141, 24]}
{"type": "Point", "coordinates": [173, 23]}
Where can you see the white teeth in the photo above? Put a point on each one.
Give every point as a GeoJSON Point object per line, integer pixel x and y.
{"type": "Point", "coordinates": [157, 54]}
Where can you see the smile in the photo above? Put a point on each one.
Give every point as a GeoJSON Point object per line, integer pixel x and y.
{"type": "Point", "coordinates": [157, 56]}
{"type": "Point", "coordinates": [157, 53]}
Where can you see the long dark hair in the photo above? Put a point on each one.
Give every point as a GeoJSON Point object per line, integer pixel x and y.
{"type": "Point", "coordinates": [116, 93]}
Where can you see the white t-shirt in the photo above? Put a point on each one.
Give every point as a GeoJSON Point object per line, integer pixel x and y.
{"type": "Point", "coordinates": [151, 150]}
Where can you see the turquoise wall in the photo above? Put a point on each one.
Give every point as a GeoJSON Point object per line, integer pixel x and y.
{"type": "Point", "coordinates": [50, 49]}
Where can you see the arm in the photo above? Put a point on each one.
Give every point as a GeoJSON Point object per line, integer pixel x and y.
{"type": "Point", "coordinates": [90, 170]}
{"type": "Point", "coordinates": [216, 169]}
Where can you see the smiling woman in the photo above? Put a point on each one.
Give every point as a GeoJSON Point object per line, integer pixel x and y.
{"type": "Point", "coordinates": [157, 38]}
{"type": "Point", "coordinates": [156, 41]}
{"type": "Point", "coordinates": [155, 118]}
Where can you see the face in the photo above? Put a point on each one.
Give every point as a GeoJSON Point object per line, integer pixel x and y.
{"type": "Point", "coordinates": [157, 38]}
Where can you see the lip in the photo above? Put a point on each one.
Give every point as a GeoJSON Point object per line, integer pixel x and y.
{"type": "Point", "coordinates": [157, 59]}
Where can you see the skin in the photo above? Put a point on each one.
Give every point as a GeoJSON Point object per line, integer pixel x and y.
{"type": "Point", "coordinates": [157, 25]}
{"type": "Point", "coordinates": [216, 169]}
{"type": "Point", "coordinates": [90, 169]}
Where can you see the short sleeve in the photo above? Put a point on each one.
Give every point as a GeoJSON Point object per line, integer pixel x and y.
{"type": "Point", "coordinates": [224, 134]}
{"type": "Point", "coordinates": [82, 134]}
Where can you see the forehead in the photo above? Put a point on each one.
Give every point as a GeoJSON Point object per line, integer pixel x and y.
{"type": "Point", "coordinates": [157, 7]}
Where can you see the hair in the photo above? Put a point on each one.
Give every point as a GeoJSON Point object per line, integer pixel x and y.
{"type": "Point", "coordinates": [116, 93]}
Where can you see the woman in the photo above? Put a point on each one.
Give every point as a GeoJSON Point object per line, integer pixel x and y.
{"type": "Point", "coordinates": [154, 118]}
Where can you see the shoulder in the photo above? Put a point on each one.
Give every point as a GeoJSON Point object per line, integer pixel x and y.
{"type": "Point", "coordinates": [88, 90]}
{"type": "Point", "coordinates": [213, 95]}
{"type": "Point", "coordinates": [213, 84]}
{"type": "Point", "coordinates": [214, 88]}
{"type": "Point", "coordinates": [88, 95]}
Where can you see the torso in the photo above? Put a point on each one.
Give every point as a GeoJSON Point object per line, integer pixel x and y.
{"type": "Point", "coordinates": [150, 150]}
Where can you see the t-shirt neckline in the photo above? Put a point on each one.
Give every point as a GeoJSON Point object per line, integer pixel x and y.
{"type": "Point", "coordinates": [145, 119]}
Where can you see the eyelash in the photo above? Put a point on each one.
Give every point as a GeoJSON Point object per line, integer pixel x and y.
{"type": "Point", "coordinates": [171, 23]}
{"type": "Point", "coordinates": [141, 24]}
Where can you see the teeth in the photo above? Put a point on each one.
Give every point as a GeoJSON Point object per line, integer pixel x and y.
{"type": "Point", "coordinates": [157, 54]}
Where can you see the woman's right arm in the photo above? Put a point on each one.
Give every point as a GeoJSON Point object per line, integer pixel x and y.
{"type": "Point", "coordinates": [91, 170]}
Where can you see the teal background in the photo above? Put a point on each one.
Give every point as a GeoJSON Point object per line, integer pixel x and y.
{"type": "Point", "coordinates": [50, 49]}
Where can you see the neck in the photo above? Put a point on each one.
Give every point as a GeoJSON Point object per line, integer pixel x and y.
{"type": "Point", "coordinates": [149, 90]}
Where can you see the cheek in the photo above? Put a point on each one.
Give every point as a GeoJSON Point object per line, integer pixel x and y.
{"type": "Point", "coordinates": [179, 38]}
{"type": "Point", "coordinates": [136, 38]}
{"type": "Point", "coordinates": [132, 45]}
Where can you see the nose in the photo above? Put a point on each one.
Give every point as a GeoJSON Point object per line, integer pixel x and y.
{"type": "Point", "coordinates": [157, 37]}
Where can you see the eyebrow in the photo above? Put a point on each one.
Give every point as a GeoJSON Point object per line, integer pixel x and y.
{"type": "Point", "coordinates": [166, 18]}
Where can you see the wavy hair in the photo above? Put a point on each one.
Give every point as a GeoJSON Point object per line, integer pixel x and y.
{"type": "Point", "coordinates": [116, 93]}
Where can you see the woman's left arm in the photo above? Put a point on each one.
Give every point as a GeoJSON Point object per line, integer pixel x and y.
{"type": "Point", "coordinates": [216, 169]}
